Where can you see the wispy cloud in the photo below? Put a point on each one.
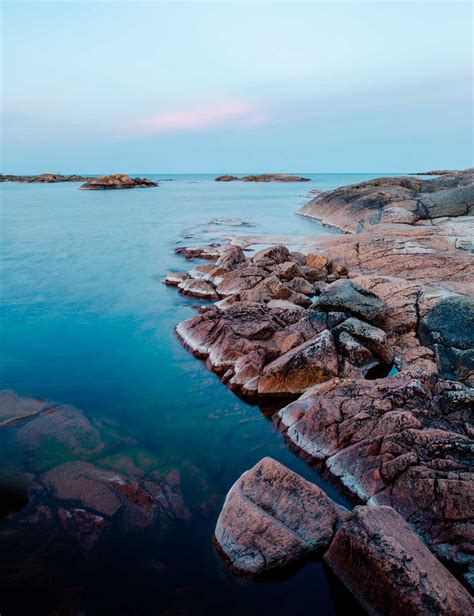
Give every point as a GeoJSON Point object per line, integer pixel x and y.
{"type": "Point", "coordinates": [227, 114]}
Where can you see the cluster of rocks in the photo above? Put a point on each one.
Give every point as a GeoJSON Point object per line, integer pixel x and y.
{"type": "Point", "coordinates": [117, 180]}
{"type": "Point", "coordinates": [294, 323]}
{"type": "Point", "coordinates": [263, 177]}
{"type": "Point", "coordinates": [284, 321]}
{"type": "Point", "coordinates": [272, 518]}
{"type": "Point", "coordinates": [45, 178]}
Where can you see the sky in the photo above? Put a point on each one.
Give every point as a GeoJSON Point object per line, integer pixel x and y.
{"type": "Point", "coordinates": [236, 87]}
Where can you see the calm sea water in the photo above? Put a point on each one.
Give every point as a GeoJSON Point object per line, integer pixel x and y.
{"type": "Point", "coordinates": [87, 321]}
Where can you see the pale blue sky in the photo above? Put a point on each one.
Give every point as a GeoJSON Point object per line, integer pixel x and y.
{"type": "Point", "coordinates": [173, 87]}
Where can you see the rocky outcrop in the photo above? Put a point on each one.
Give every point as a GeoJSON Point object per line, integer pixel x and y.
{"type": "Point", "coordinates": [45, 178]}
{"type": "Point", "coordinates": [268, 338]}
{"type": "Point", "coordinates": [392, 300]}
{"type": "Point", "coordinates": [272, 518]}
{"type": "Point", "coordinates": [401, 442]}
{"type": "Point", "coordinates": [263, 177]}
{"type": "Point", "coordinates": [117, 180]}
{"type": "Point", "coordinates": [383, 563]}
{"type": "Point", "coordinates": [404, 200]}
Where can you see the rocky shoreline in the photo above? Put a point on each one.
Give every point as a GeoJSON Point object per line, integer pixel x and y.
{"type": "Point", "coordinates": [371, 334]}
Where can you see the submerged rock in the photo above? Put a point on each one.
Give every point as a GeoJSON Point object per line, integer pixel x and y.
{"type": "Point", "coordinates": [272, 517]}
{"type": "Point", "coordinates": [16, 409]}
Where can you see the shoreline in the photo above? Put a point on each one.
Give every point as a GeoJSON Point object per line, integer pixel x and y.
{"type": "Point", "coordinates": [418, 272]}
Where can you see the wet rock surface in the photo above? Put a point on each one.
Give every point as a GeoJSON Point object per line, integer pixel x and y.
{"type": "Point", "coordinates": [117, 180]}
{"type": "Point", "coordinates": [89, 492]}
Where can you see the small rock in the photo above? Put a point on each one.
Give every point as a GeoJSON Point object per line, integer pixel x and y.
{"type": "Point", "coordinates": [198, 288]}
{"type": "Point", "coordinates": [176, 278]}
{"type": "Point", "coordinates": [318, 262]}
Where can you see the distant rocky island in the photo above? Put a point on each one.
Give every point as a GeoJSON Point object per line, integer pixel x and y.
{"type": "Point", "coordinates": [437, 172]}
{"type": "Point", "coordinates": [45, 178]}
{"type": "Point", "coordinates": [105, 182]}
{"type": "Point", "coordinates": [263, 177]}
{"type": "Point", "coordinates": [370, 334]}
{"type": "Point", "coordinates": [117, 180]}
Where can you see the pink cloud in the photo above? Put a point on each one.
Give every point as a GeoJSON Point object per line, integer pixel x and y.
{"type": "Point", "coordinates": [235, 113]}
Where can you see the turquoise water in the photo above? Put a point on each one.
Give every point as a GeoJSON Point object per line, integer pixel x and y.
{"type": "Point", "coordinates": [87, 321]}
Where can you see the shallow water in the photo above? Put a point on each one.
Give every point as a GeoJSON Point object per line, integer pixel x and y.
{"type": "Point", "coordinates": [87, 321]}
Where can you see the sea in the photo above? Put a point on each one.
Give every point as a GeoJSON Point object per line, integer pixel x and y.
{"type": "Point", "coordinates": [87, 321]}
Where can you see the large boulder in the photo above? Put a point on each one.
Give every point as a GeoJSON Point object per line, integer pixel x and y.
{"type": "Point", "coordinates": [312, 362]}
{"type": "Point", "coordinates": [345, 295]}
{"type": "Point", "coordinates": [272, 517]}
{"type": "Point", "coordinates": [390, 571]}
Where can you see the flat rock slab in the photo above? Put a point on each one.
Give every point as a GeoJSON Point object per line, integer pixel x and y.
{"type": "Point", "coordinates": [83, 482]}
{"type": "Point", "coordinates": [15, 409]}
{"type": "Point", "coordinates": [390, 571]}
{"type": "Point", "coordinates": [272, 517]}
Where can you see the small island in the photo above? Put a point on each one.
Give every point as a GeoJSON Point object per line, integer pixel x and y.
{"type": "Point", "coordinates": [263, 177]}
{"type": "Point", "coordinates": [117, 180]}
{"type": "Point", "coordinates": [44, 178]}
